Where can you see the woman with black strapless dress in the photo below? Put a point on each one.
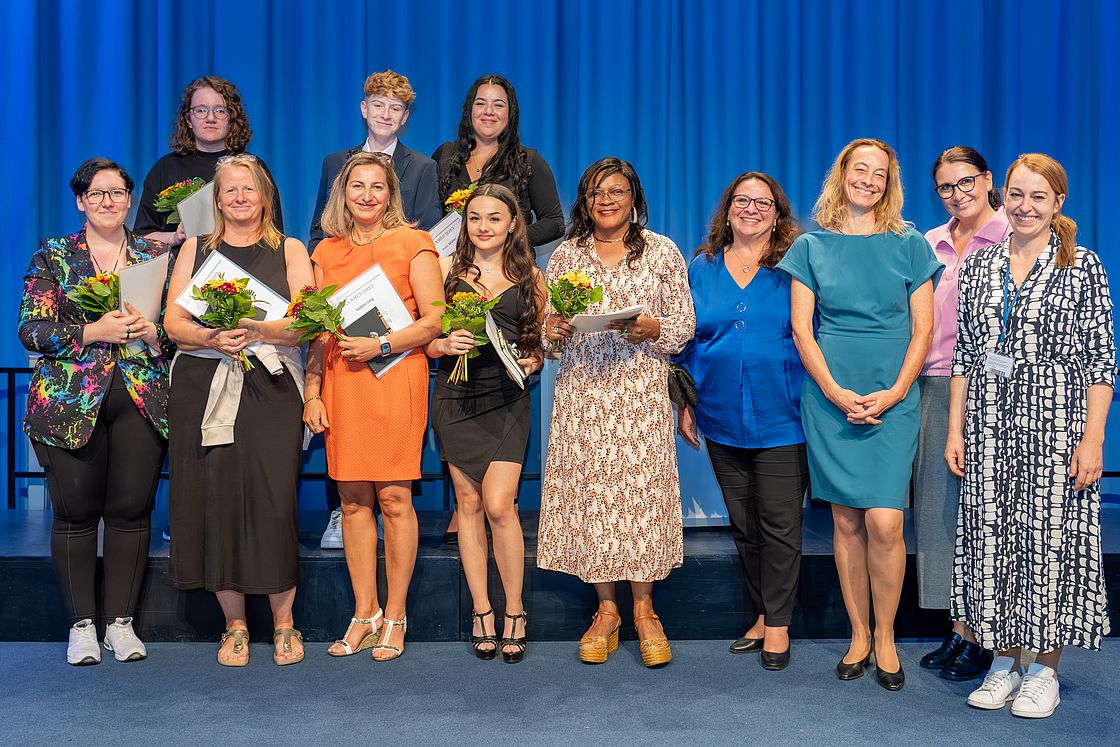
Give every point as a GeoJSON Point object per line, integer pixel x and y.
{"type": "Point", "coordinates": [483, 423]}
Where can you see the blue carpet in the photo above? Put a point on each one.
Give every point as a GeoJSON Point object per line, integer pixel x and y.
{"type": "Point", "coordinates": [439, 694]}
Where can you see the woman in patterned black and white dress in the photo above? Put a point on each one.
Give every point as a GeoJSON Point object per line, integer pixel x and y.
{"type": "Point", "coordinates": [1033, 374]}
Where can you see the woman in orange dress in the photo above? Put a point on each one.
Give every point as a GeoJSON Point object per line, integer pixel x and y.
{"type": "Point", "coordinates": [345, 399]}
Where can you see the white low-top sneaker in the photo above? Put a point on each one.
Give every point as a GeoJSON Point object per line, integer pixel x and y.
{"type": "Point", "coordinates": [121, 639]}
{"type": "Point", "coordinates": [1038, 695]}
{"type": "Point", "coordinates": [332, 537]}
{"type": "Point", "coordinates": [83, 649]}
{"type": "Point", "coordinates": [999, 687]}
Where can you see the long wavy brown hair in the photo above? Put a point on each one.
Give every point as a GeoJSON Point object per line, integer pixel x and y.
{"type": "Point", "coordinates": [1055, 175]}
{"type": "Point", "coordinates": [518, 265]}
{"type": "Point", "coordinates": [786, 227]}
{"type": "Point", "coordinates": [240, 133]}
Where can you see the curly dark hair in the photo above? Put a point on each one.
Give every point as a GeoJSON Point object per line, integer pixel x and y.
{"type": "Point", "coordinates": [510, 162]}
{"type": "Point", "coordinates": [582, 225]}
{"type": "Point", "coordinates": [518, 264]}
{"type": "Point", "coordinates": [786, 227]}
{"type": "Point", "coordinates": [240, 133]}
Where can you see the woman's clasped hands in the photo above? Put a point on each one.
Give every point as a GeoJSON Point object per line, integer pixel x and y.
{"type": "Point", "coordinates": [864, 409]}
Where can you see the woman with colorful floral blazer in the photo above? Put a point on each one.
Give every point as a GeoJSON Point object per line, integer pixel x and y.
{"type": "Point", "coordinates": [96, 410]}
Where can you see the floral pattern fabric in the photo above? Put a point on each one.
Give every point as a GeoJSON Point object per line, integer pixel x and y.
{"type": "Point", "coordinates": [70, 381]}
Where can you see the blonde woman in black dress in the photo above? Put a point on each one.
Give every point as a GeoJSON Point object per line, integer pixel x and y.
{"type": "Point", "coordinates": [483, 423]}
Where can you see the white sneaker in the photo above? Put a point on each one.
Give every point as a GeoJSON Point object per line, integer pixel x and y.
{"type": "Point", "coordinates": [83, 648]}
{"type": "Point", "coordinates": [332, 537]}
{"type": "Point", "coordinates": [121, 639]}
{"type": "Point", "coordinates": [1038, 695]}
{"type": "Point", "coordinates": [999, 687]}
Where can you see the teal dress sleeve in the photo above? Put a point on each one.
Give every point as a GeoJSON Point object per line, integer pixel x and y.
{"type": "Point", "coordinates": [796, 264]}
{"type": "Point", "coordinates": [924, 264]}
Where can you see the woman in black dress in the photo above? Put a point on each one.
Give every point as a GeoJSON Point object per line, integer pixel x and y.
{"type": "Point", "coordinates": [209, 124]}
{"type": "Point", "coordinates": [483, 423]}
{"type": "Point", "coordinates": [235, 446]}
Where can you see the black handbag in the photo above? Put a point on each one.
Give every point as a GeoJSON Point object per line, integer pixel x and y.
{"type": "Point", "coordinates": [682, 387]}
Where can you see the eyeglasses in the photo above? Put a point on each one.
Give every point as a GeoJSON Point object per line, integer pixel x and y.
{"type": "Point", "coordinates": [965, 185]}
{"type": "Point", "coordinates": [762, 204]}
{"type": "Point", "coordinates": [237, 158]}
{"type": "Point", "coordinates": [614, 193]}
{"type": "Point", "coordinates": [200, 112]}
{"type": "Point", "coordinates": [97, 196]}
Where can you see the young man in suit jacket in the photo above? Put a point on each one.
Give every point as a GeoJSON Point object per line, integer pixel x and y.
{"type": "Point", "coordinates": [385, 109]}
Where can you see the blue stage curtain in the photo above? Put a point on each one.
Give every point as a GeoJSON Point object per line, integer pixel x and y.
{"type": "Point", "coordinates": [691, 91]}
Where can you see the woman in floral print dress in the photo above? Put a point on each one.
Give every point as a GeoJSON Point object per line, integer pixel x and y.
{"type": "Point", "coordinates": [610, 499]}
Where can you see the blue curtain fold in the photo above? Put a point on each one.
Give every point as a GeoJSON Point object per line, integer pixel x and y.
{"type": "Point", "coordinates": [691, 91]}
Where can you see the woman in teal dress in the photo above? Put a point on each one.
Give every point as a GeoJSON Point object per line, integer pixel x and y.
{"type": "Point", "coordinates": [870, 277]}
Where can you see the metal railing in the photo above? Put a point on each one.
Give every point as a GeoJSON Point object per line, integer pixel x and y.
{"type": "Point", "coordinates": [15, 431]}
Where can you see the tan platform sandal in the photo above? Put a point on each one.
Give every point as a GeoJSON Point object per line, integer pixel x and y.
{"type": "Point", "coordinates": [595, 649]}
{"type": "Point", "coordinates": [240, 638]}
{"type": "Point", "coordinates": [386, 632]}
{"type": "Point", "coordinates": [286, 635]}
{"type": "Point", "coordinates": [655, 651]}
{"type": "Point", "coordinates": [366, 643]}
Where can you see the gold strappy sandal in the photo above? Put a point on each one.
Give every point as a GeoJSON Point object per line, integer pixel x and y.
{"type": "Point", "coordinates": [240, 638]}
{"type": "Point", "coordinates": [286, 635]}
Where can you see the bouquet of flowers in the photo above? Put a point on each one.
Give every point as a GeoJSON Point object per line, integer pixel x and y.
{"type": "Point", "coordinates": [466, 311]}
{"type": "Point", "coordinates": [230, 301]}
{"type": "Point", "coordinates": [314, 314]}
{"type": "Point", "coordinates": [458, 199]}
{"type": "Point", "coordinates": [572, 293]}
{"type": "Point", "coordinates": [99, 295]}
{"type": "Point", "coordinates": [168, 200]}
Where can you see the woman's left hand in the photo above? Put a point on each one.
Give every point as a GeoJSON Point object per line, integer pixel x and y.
{"type": "Point", "coordinates": [143, 329]}
{"type": "Point", "coordinates": [254, 332]}
{"type": "Point", "coordinates": [531, 364]}
{"type": "Point", "coordinates": [874, 404]}
{"type": "Point", "coordinates": [639, 330]}
{"type": "Point", "coordinates": [1087, 463]}
{"type": "Point", "coordinates": [359, 349]}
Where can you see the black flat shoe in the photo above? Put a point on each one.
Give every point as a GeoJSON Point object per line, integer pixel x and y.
{"type": "Point", "coordinates": [892, 681]}
{"type": "Point", "coordinates": [970, 662]}
{"type": "Point", "coordinates": [943, 654]}
{"type": "Point", "coordinates": [848, 672]}
{"type": "Point", "coordinates": [746, 646]}
{"type": "Point", "coordinates": [774, 662]}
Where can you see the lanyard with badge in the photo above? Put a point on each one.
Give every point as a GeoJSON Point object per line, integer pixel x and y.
{"type": "Point", "coordinates": [997, 363]}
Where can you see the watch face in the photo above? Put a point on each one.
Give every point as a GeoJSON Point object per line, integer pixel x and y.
{"type": "Point", "coordinates": [385, 348]}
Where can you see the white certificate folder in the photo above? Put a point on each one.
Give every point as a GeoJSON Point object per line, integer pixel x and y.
{"type": "Point", "coordinates": [372, 303]}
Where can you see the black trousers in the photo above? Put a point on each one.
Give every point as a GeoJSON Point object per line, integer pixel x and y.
{"type": "Point", "coordinates": [764, 490]}
{"type": "Point", "coordinates": [113, 477]}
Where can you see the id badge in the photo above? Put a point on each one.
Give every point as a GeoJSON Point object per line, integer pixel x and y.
{"type": "Point", "coordinates": [1000, 365]}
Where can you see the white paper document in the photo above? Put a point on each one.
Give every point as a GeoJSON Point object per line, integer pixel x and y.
{"type": "Point", "coordinates": [506, 351]}
{"type": "Point", "coordinates": [142, 286]}
{"type": "Point", "coordinates": [270, 304]}
{"type": "Point", "coordinates": [373, 289]}
{"type": "Point", "coordinates": [445, 234]}
{"type": "Point", "coordinates": [196, 213]}
{"type": "Point", "coordinates": [599, 322]}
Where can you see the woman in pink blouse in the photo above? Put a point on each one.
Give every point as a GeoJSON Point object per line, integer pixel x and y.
{"type": "Point", "coordinates": [963, 182]}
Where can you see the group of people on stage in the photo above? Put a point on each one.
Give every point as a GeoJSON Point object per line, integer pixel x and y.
{"type": "Point", "coordinates": [975, 363]}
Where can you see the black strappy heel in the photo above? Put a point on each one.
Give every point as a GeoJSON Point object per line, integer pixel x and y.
{"type": "Point", "coordinates": [478, 641]}
{"type": "Point", "coordinates": [515, 656]}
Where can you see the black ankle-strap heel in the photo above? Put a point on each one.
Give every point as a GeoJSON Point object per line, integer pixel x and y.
{"type": "Point", "coordinates": [478, 641]}
{"type": "Point", "coordinates": [515, 656]}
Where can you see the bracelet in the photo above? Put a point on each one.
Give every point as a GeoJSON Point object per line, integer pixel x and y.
{"type": "Point", "coordinates": [313, 398]}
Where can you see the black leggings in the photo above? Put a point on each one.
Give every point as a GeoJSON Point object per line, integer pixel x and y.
{"type": "Point", "coordinates": [113, 477]}
{"type": "Point", "coordinates": [764, 490]}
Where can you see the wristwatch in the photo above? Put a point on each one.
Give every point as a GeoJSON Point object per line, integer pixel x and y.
{"type": "Point", "coordinates": [386, 348]}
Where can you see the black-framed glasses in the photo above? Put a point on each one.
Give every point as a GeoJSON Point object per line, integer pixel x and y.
{"type": "Point", "coordinates": [761, 204]}
{"type": "Point", "coordinates": [614, 194]}
{"type": "Point", "coordinates": [97, 196]}
{"type": "Point", "coordinates": [201, 112]}
{"type": "Point", "coordinates": [964, 184]}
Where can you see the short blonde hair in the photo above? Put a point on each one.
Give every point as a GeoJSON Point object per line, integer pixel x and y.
{"type": "Point", "coordinates": [831, 208]}
{"type": "Point", "coordinates": [388, 83]}
{"type": "Point", "coordinates": [337, 219]}
{"type": "Point", "coordinates": [265, 189]}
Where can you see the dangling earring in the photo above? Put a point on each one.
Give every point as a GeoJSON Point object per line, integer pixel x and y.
{"type": "Point", "coordinates": [773, 228]}
{"type": "Point", "coordinates": [633, 215]}
{"type": "Point", "coordinates": [510, 230]}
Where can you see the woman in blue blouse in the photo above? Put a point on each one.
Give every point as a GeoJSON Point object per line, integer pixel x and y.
{"type": "Point", "coordinates": [748, 377]}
